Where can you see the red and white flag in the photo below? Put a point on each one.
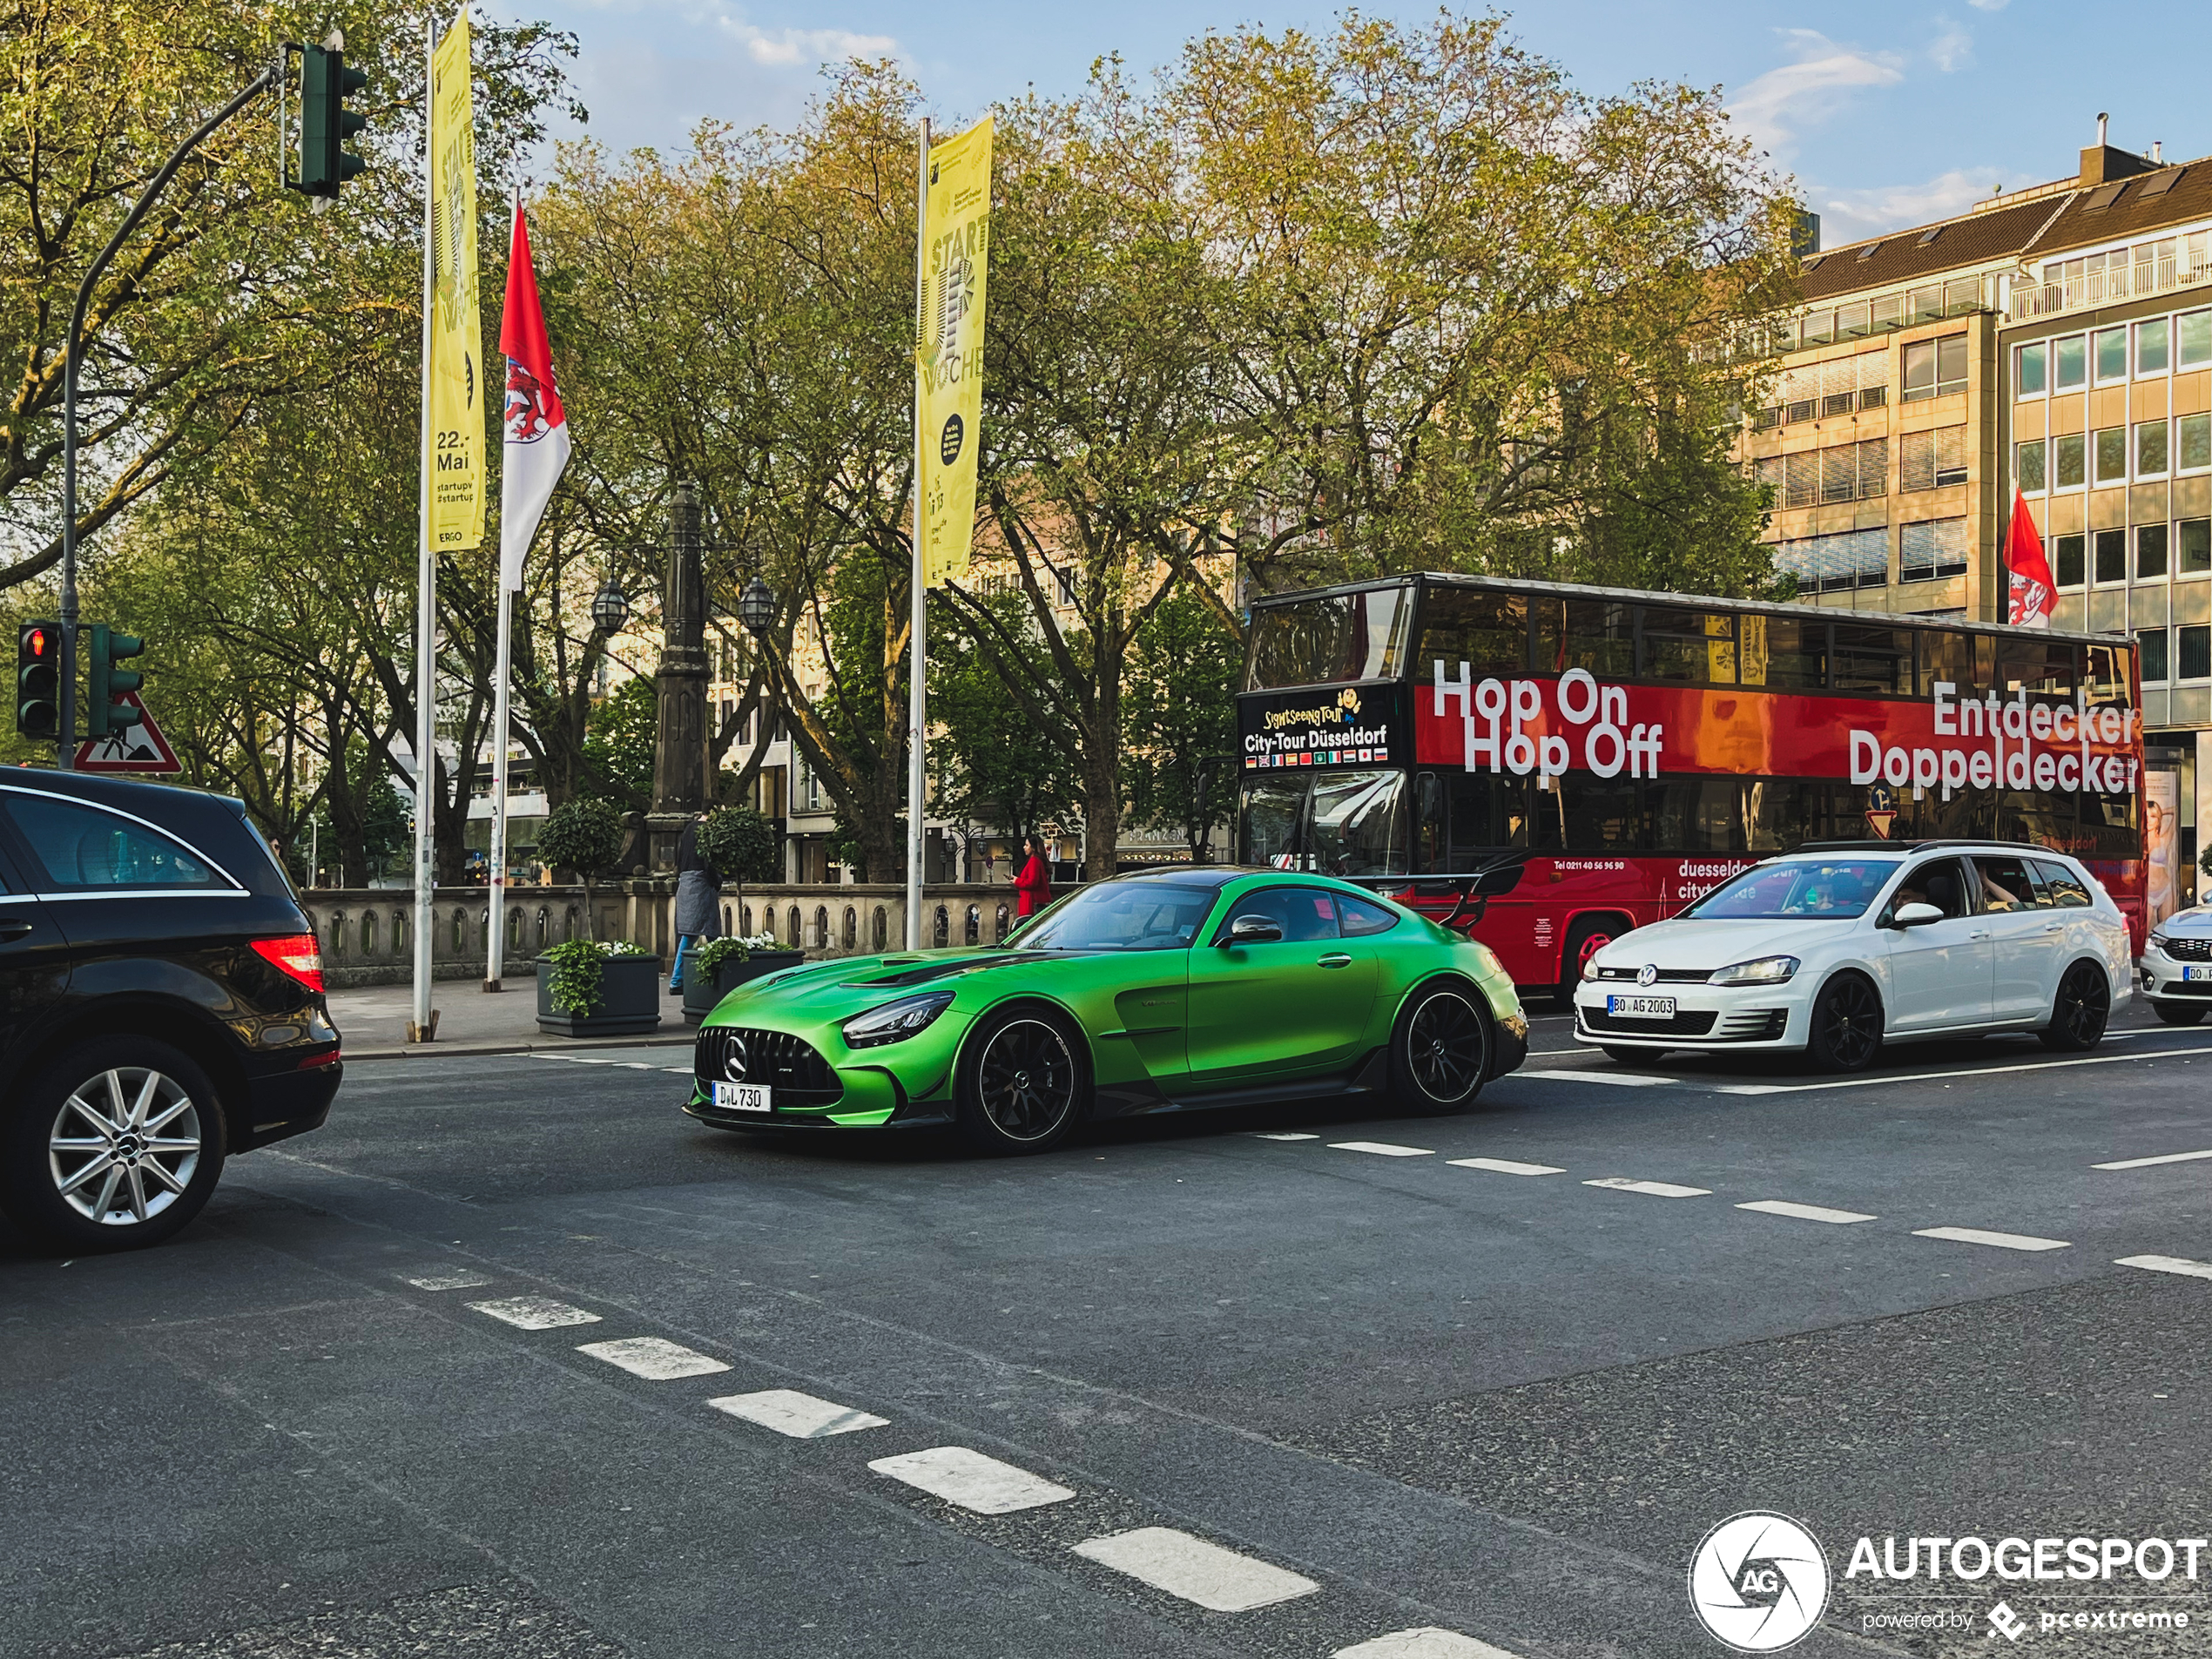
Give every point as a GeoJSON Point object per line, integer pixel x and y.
{"type": "Point", "coordinates": [2033, 593]}
{"type": "Point", "coordinates": [537, 428]}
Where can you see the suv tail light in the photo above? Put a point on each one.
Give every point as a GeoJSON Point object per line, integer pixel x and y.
{"type": "Point", "coordinates": [297, 955]}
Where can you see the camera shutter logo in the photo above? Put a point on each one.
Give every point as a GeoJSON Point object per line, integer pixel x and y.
{"type": "Point", "coordinates": [1758, 1583]}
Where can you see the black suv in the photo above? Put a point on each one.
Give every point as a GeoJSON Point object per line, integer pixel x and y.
{"type": "Point", "coordinates": [161, 1005]}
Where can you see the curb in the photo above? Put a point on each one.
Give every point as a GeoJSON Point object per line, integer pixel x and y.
{"type": "Point", "coordinates": [566, 1045]}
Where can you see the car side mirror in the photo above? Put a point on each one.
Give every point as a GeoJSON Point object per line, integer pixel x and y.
{"type": "Point", "coordinates": [1253, 930]}
{"type": "Point", "coordinates": [1915, 916]}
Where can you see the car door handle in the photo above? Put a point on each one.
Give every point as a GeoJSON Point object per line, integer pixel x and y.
{"type": "Point", "coordinates": [2055, 927]}
{"type": "Point", "coordinates": [1984, 933]}
{"type": "Point", "coordinates": [14, 927]}
{"type": "Point", "coordinates": [1335, 959]}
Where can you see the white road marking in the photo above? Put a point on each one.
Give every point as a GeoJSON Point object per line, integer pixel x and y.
{"type": "Point", "coordinates": [1802, 1212]}
{"type": "Point", "coordinates": [972, 1481]}
{"type": "Point", "coordinates": [1286, 1138]}
{"type": "Point", "coordinates": [2145, 1164]}
{"type": "Point", "coordinates": [681, 1071]}
{"type": "Point", "coordinates": [2168, 1265]}
{"type": "Point", "coordinates": [1216, 1578]}
{"type": "Point", "coordinates": [431, 1278]}
{"type": "Point", "coordinates": [1381, 1148]}
{"type": "Point", "coordinates": [801, 1416]}
{"type": "Point", "coordinates": [655, 1358]}
{"type": "Point", "coordinates": [535, 1312]}
{"type": "Point", "coordinates": [1503, 1166]}
{"type": "Point", "coordinates": [1620, 1079]}
{"type": "Point", "coordinates": [1427, 1642]}
{"type": "Point", "coordinates": [1657, 1189]}
{"type": "Point", "coordinates": [2002, 1241]}
{"type": "Point", "coordinates": [1886, 1078]}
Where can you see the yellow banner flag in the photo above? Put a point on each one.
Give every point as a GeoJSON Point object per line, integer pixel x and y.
{"type": "Point", "coordinates": [948, 358]}
{"type": "Point", "coordinates": [454, 453]}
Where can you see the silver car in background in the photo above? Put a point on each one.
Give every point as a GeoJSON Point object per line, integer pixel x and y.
{"type": "Point", "coordinates": [2177, 966]}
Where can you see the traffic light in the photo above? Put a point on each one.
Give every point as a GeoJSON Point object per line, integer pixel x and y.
{"type": "Point", "coordinates": [39, 679]}
{"type": "Point", "coordinates": [325, 122]}
{"type": "Point", "coordinates": [104, 716]}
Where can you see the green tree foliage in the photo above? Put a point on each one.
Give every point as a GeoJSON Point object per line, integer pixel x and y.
{"type": "Point", "coordinates": [740, 843]}
{"type": "Point", "coordinates": [587, 836]}
{"type": "Point", "coordinates": [619, 745]}
{"type": "Point", "coordinates": [1179, 721]}
{"type": "Point", "coordinates": [995, 767]}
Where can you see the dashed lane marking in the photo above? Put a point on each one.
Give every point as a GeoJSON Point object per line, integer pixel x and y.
{"type": "Point", "coordinates": [655, 1358]}
{"type": "Point", "coordinates": [1803, 1212]}
{"type": "Point", "coordinates": [434, 1278]}
{"type": "Point", "coordinates": [2168, 1265]}
{"type": "Point", "coordinates": [1381, 1148]}
{"type": "Point", "coordinates": [1656, 1188]}
{"type": "Point", "coordinates": [2001, 1241]}
{"type": "Point", "coordinates": [1503, 1166]}
{"type": "Point", "coordinates": [534, 1313]}
{"type": "Point", "coordinates": [1427, 1642]}
{"type": "Point", "coordinates": [1218, 1579]}
{"type": "Point", "coordinates": [2145, 1164]}
{"type": "Point", "coordinates": [972, 1481]}
{"type": "Point", "coordinates": [1885, 1079]}
{"type": "Point", "coordinates": [1286, 1138]}
{"type": "Point", "coordinates": [801, 1416]}
{"type": "Point", "coordinates": [1619, 1079]}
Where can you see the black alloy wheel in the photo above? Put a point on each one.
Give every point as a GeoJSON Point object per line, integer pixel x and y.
{"type": "Point", "coordinates": [1440, 1052]}
{"type": "Point", "coordinates": [1023, 1084]}
{"type": "Point", "coordinates": [2178, 1013]}
{"type": "Point", "coordinates": [1846, 1030]}
{"type": "Point", "coordinates": [2080, 1011]}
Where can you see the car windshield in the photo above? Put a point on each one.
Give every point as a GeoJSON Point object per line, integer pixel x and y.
{"type": "Point", "coordinates": [1836, 889]}
{"type": "Point", "coordinates": [1122, 915]}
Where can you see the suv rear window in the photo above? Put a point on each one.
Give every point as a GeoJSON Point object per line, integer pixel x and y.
{"type": "Point", "coordinates": [79, 848]}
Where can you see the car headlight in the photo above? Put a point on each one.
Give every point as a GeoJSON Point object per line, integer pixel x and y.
{"type": "Point", "coordinates": [895, 1022]}
{"type": "Point", "coordinates": [1764, 970]}
{"type": "Point", "coordinates": [1589, 966]}
{"type": "Point", "coordinates": [2158, 943]}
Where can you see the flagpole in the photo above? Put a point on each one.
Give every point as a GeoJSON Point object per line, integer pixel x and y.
{"type": "Point", "coordinates": [918, 623]}
{"type": "Point", "coordinates": [422, 1027]}
{"type": "Point", "coordinates": [496, 936]}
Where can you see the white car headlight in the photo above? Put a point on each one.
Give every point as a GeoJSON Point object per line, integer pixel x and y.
{"type": "Point", "coordinates": [895, 1022]}
{"type": "Point", "coordinates": [2158, 943]}
{"type": "Point", "coordinates": [1589, 966]}
{"type": "Point", "coordinates": [1764, 970]}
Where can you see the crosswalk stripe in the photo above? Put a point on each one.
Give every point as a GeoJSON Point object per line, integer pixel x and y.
{"type": "Point", "coordinates": [1655, 1189]}
{"type": "Point", "coordinates": [534, 1313]}
{"type": "Point", "coordinates": [1218, 1579]}
{"type": "Point", "coordinates": [2001, 1241]}
{"type": "Point", "coordinates": [1426, 1641]}
{"type": "Point", "coordinates": [972, 1481]}
{"type": "Point", "coordinates": [801, 1416]}
{"type": "Point", "coordinates": [455, 1278]}
{"type": "Point", "coordinates": [1804, 1211]}
{"type": "Point", "coordinates": [2168, 1265]}
{"type": "Point", "coordinates": [1619, 1079]}
{"type": "Point", "coordinates": [655, 1358]}
{"type": "Point", "coordinates": [1504, 1166]}
{"type": "Point", "coordinates": [1381, 1148]}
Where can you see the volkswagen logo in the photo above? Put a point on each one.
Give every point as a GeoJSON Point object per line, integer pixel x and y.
{"type": "Point", "coordinates": [1648, 975]}
{"type": "Point", "coordinates": [733, 1059]}
{"type": "Point", "coordinates": [1759, 1582]}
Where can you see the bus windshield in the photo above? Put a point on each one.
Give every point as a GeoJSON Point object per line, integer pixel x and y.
{"type": "Point", "coordinates": [1835, 889]}
{"type": "Point", "coordinates": [1330, 637]}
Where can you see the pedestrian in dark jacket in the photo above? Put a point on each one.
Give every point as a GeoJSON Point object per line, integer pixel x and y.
{"type": "Point", "coordinates": [1033, 881]}
{"type": "Point", "coordinates": [699, 900]}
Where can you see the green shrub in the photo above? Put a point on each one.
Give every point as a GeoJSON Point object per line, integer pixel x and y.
{"type": "Point", "coordinates": [739, 843]}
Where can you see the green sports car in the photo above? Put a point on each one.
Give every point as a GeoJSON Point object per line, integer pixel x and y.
{"type": "Point", "coordinates": [1158, 991]}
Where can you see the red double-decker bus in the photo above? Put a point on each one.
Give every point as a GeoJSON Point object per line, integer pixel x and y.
{"type": "Point", "coordinates": [1552, 764]}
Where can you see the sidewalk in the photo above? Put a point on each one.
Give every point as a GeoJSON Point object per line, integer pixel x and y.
{"type": "Point", "coordinates": [373, 1020]}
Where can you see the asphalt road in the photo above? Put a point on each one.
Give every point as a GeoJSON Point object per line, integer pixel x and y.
{"type": "Point", "coordinates": [1300, 1364]}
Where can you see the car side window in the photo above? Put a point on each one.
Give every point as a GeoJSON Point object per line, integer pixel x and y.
{"type": "Point", "coordinates": [78, 849]}
{"type": "Point", "coordinates": [2067, 890]}
{"type": "Point", "coordinates": [1361, 917]}
{"type": "Point", "coordinates": [2006, 885]}
{"type": "Point", "coordinates": [1301, 912]}
{"type": "Point", "coordinates": [1938, 882]}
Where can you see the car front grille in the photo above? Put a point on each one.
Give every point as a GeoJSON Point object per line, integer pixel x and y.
{"type": "Point", "coordinates": [1691, 1022]}
{"type": "Point", "coordinates": [1667, 975]}
{"type": "Point", "coordinates": [1753, 1025]}
{"type": "Point", "coordinates": [2187, 988]}
{"type": "Point", "coordinates": [787, 1064]}
{"type": "Point", "coordinates": [2189, 950]}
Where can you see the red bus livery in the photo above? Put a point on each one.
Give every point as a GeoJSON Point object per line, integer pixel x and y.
{"type": "Point", "coordinates": [1630, 751]}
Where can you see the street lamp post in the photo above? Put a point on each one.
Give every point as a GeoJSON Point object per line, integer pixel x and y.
{"type": "Point", "coordinates": [609, 609]}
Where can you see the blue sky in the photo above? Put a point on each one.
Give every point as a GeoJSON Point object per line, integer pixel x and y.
{"type": "Point", "coordinates": [1889, 114]}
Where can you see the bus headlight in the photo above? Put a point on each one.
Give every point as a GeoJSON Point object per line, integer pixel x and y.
{"type": "Point", "coordinates": [1764, 970]}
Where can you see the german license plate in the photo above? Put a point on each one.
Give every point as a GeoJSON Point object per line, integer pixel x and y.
{"type": "Point", "coordinates": [2196, 972]}
{"type": "Point", "coordinates": [741, 1097]}
{"type": "Point", "coordinates": [1641, 1007]}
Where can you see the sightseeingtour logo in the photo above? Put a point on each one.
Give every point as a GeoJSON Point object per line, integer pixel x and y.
{"type": "Point", "coordinates": [1759, 1582]}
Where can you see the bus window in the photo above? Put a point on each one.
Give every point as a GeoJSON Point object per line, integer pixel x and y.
{"type": "Point", "coordinates": [1429, 842]}
{"type": "Point", "coordinates": [1695, 815]}
{"type": "Point", "coordinates": [2048, 819]}
{"type": "Point", "coordinates": [1789, 653]}
{"type": "Point", "coordinates": [1333, 637]}
{"type": "Point", "coordinates": [1965, 661]}
{"type": "Point", "coordinates": [1779, 814]}
{"type": "Point", "coordinates": [1358, 823]}
{"type": "Point", "coordinates": [1598, 635]}
{"type": "Point", "coordinates": [1489, 813]}
{"type": "Point", "coordinates": [1487, 630]}
{"type": "Point", "coordinates": [1587, 814]}
{"type": "Point", "coordinates": [2110, 827]}
{"type": "Point", "coordinates": [1274, 811]}
{"type": "Point", "coordinates": [2045, 666]}
{"type": "Point", "coordinates": [1689, 647]}
{"type": "Point", "coordinates": [2111, 674]}
{"type": "Point", "coordinates": [1873, 659]}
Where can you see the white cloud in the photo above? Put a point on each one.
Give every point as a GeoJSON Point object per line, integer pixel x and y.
{"type": "Point", "coordinates": [1953, 49]}
{"type": "Point", "coordinates": [787, 48]}
{"type": "Point", "coordinates": [1848, 216]}
{"type": "Point", "coordinates": [1776, 107]}
{"type": "Point", "coordinates": [1988, 5]}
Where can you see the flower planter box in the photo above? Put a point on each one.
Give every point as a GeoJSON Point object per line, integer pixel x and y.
{"type": "Point", "coordinates": [630, 998]}
{"type": "Point", "coordinates": [700, 997]}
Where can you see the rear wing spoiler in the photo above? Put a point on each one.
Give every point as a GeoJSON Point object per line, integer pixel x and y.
{"type": "Point", "coordinates": [1470, 892]}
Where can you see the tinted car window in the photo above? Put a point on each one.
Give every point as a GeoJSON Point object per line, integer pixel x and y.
{"type": "Point", "coordinates": [1939, 883]}
{"type": "Point", "coordinates": [1301, 913]}
{"type": "Point", "coordinates": [1360, 917]}
{"type": "Point", "coordinates": [1837, 888]}
{"type": "Point", "coordinates": [2009, 884]}
{"type": "Point", "coordinates": [2067, 890]}
{"type": "Point", "coordinates": [1117, 915]}
{"type": "Point", "coordinates": [81, 848]}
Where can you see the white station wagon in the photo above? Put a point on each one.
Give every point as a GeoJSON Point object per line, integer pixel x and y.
{"type": "Point", "coordinates": [1839, 947]}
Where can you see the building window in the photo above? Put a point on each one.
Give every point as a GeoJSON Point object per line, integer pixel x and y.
{"type": "Point", "coordinates": [2150, 348]}
{"type": "Point", "coordinates": [2068, 458]}
{"type": "Point", "coordinates": [2195, 432]}
{"type": "Point", "coordinates": [2030, 364]}
{"type": "Point", "coordinates": [1932, 460]}
{"type": "Point", "coordinates": [2196, 653]}
{"type": "Point", "coordinates": [2196, 537]}
{"type": "Point", "coordinates": [2112, 355]}
{"type": "Point", "coordinates": [2150, 552]}
{"type": "Point", "coordinates": [2112, 454]}
{"type": "Point", "coordinates": [2027, 466]}
{"type": "Point", "coordinates": [2196, 331]}
{"type": "Point", "coordinates": [2067, 559]}
{"type": "Point", "coordinates": [1834, 564]}
{"type": "Point", "coordinates": [1937, 368]}
{"type": "Point", "coordinates": [2150, 448]}
{"type": "Point", "coordinates": [1931, 549]}
{"type": "Point", "coordinates": [2073, 364]}
{"type": "Point", "coordinates": [2112, 555]}
{"type": "Point", "coordinates": [2150, 654]}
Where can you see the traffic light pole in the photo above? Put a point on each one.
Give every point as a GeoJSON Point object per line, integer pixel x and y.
{"type": "Point", "coordinates": [65, 744]}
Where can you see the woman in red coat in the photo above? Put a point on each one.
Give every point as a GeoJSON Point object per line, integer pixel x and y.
{"type": "Point", "coordinates": [1033, 882]}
